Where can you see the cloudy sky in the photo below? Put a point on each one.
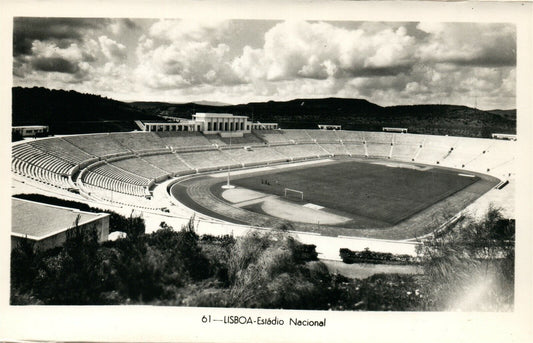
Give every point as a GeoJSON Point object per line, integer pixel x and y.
{"type": "Point", "coordinates": [238, 61]}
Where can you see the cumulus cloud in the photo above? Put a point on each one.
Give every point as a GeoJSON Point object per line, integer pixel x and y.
{"type": "Point", "coordinates": [56, 64]}
{"type": "Point", "coordinates": [45, 49]}
{"type": "Point", "coordinates": [211, 30]}
{"type": "Point", "coordinates": [183, 54]}
{"type": "Point", "coordinates": [50, 57]}
{"type": "Point", "coordinates": [237, 61]}
{"type": "Point", "coordinates": [388, 64]}
{"type": "Point", "coordinates": [111, 49]}
{"type": "Point", "coordinates": [322, 50]}
{"type": "Point", "coordinates": [54, 46]}
{"type": "Point", "coordinates": [120, 26]}
{"type": "Point", "coordinates": [26, 30]}
{"type": "Point", "coordinates": [469, 44]}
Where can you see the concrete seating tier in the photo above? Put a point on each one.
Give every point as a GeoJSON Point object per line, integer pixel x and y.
{"type": "Point", "coordinates": [40, 174]}
{"type": "Point", "coordinates": [169, 162]}
{"type": "Point", "coordinates": [408, 139]}
{"type": "Point", "coordinates": [381, 150]}
{"type": "Point", "coordinates": [406, 146]}
{"type": "Point", "coordinates": [140, 167]}
{"type": "Point", "coordinates": [298, 136]}
{"type": "Point", "coordinates": [98, 145]}
{"type": "Point", "coordinates": [138, 141]}
{"type": "Point", "coordinates": [355, 149]}
{"type": "Point", "coordinates": [26, 152]}
{"type": "Point", "coordinates": [334, 148]}
{"type": "Point", "coordinates": [503, 170]}
{"type": "Point", "coordinates": [435, 149]}
{"type": "Point", "coordinates": [300, 150]}
{"type": "Point", "coordinates": [215, 140]}
{"type": "Point", "coordinates": [440, 141]}
{"type": "Point", "coordinates": [205, 159]}
{"type": "Point", "coordinates": [54, 164]}
{"type": "Point", "coordinates": [378, 137]}
{"type": "Point", "coordinates": [118, 174]}
{"type": "Point", "coordinates": [500, 155]}
{"type": "Point", "coordinates": [247, 139]}
{"type": "Point", "coordinates": [350, 136]}
{"type": "Point", "coordinates": [183, 139]}
{"type": "Point", "coordinates": [61, 149]}
{"type": "Point", "coordinates": [272, 136]}
{"type": "Point", "coordinates": [119, 197]}
{"type": "Point", "coordinates": [431, 155]}
{"type": "Point", "coordinates": [404, 152]}
{"type": "Point", "coordinates": [323, 136]}
{"type": "Point", "coordinates": [40, 166]}
{"type": "Point", "coordinates": [466, 151]}
{"type": "Point", "coordinates": [256, 155]}
{"type": "Point", "coordinates": [112, 184]}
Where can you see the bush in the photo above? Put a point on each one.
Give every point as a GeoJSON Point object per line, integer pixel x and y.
{"type": "Point", "coordinates": [367, 256]}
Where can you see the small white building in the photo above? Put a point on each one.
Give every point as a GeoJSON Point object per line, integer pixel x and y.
{"type": "Point", "coordinates": [395, 129]}
{"type": "Point", "coordinates": [329, 127]}
{"type": "Point", "coordinates": [505, 136]}
{"type": "Point", "coordinates": [31, 130]}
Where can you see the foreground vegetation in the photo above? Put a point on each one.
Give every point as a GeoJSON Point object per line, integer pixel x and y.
{"type": "Point", "coordinates": [471, 267]}
{"type": "Point", "coordinates": [262, 270]}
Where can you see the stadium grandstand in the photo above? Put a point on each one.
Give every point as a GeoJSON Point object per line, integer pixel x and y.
{"type": "Point", "coordinates": [127, 168]}
{"type": "Point", "coordinates": [135, 161]}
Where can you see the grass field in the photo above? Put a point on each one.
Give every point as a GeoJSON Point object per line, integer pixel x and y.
{"type": "Point", "coordinates": [370, 192]}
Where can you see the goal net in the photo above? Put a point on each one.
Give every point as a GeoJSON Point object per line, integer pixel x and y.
{"type": "Point", "coordinates": [293, 193]}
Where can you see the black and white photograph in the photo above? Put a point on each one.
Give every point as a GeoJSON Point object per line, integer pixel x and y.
{"type": "Point", "coordinates": [279, 173]}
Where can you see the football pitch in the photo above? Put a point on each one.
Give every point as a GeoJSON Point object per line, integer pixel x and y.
{"type": "Point", "coordinates": [381, 193]}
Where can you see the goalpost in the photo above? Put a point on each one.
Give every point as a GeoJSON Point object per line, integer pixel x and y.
{"type": "Point", "coordinates": [289, 191]}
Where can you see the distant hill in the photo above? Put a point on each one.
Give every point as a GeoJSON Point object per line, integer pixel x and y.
{"type": "Point", "coordinates": [152, 104]}
{"type": "Point", "coordinates": [448, 120]}
{"type": "Point", "coordinates": [149, 104]}
{"type": "Point", "coordinates": [72, 112]}
{"type": "Point", "coordinates": [211, 103]}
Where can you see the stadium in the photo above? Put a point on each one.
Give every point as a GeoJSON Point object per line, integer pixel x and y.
{"type": "Point", "coordinates": [336, 188]}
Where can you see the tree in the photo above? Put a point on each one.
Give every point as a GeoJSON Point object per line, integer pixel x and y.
{"type": "Point", "coordinates": [134, 226]}
{"type": "Point", "coordinates": [72, 276]}
{"type": "Point", "coordinates": [23, 267]}
{"type": "Point", "coordinates": [470, 267]}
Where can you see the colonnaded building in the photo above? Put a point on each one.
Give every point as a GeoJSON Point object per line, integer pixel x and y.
{"type": "Point", "coordinates": [225, 124]}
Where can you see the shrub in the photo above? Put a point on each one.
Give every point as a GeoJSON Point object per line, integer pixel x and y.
{"type": "Point", "coordinates": [367, 256]}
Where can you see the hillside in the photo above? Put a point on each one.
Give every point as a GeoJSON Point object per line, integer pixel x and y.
{"type": "Point", "coordinates": [508, 114]}
{"type": "Point", "coordinates": [448, 120]}
{"type": "Point", "coordinates": [72, 112]}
